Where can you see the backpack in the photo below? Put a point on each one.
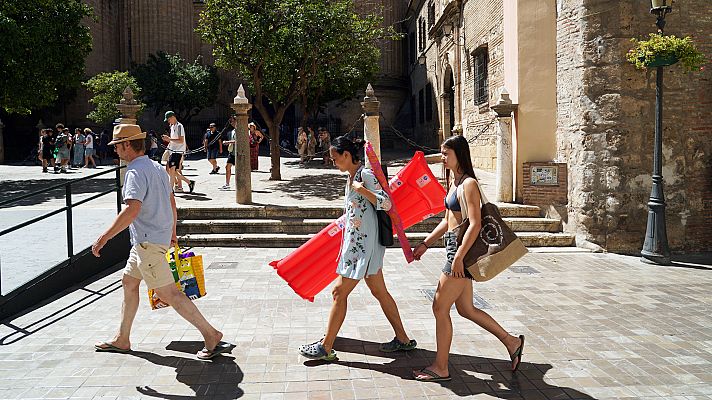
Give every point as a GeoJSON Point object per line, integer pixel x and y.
{"type": "Point", "coordinates": [385, 225]}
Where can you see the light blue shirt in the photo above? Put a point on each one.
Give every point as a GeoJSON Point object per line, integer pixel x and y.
{"type": "Point", "coordinates": [148, 182]}
{"type": "Point", "coordinates": [361, 253]}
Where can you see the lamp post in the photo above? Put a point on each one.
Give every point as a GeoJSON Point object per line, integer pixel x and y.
{"type": "Point", "coordinates": [655, 248]}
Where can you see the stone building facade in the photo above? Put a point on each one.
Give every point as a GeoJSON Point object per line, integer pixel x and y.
{"type": "Point", "coordinates": [581, 108]}
{"type": "Point", "coordinates": [605, 125]}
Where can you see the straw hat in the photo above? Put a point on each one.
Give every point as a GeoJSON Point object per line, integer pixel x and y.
{"type": "Point", "coordinates": [126, 132]}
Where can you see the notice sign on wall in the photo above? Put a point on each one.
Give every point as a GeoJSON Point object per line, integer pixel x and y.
{"type": "Point", "coordinates": [544, 176]}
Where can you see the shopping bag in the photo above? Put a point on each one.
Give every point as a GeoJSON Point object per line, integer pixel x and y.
{"type": "Point", "coordinates": [496, 247]}
{"type": "Point", "coordinates": [188, 273]}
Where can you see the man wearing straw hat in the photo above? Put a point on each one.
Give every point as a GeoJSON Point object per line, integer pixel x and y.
{"type": "Point", "coordinates": [152, 225]}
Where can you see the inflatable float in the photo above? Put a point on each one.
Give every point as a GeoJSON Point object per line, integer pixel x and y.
{"type": "Point", "coordinates": [414, 191]}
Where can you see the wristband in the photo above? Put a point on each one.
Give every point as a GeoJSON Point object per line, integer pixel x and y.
{"type": "Point", "coordinates": [424, 244]}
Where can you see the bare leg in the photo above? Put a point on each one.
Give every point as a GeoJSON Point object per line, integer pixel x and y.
{"type": "Point", "coordinates": [228, 172]}
{"type": "Point", "coordinates": [340, 293]}
{"type": "Point", "coordinates": [388, 305]}
{"type": "Point", "coordinates": [449, 289]}
{"type": "Point", "coordinates": [467, 309]}
{"type": "Point", "coordinates": [128, 312]}
{"type": "Point", "coordinates": [183, 306]}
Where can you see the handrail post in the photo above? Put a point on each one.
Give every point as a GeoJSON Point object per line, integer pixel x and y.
{"type": "Point", "coordinates": [70, 235]}
{"type": "Point", "coordinates": [118, 190]}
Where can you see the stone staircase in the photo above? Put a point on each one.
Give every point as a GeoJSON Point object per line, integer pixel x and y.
{"type": "Point", "coordinates": [276, 226]}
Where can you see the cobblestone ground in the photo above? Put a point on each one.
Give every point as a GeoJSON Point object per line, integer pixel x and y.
{"type": "Point", "coordinates": [597, 326]}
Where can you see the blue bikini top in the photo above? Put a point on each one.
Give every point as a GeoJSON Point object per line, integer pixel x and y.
{"type": "Point", "coordinates": [451, 202]}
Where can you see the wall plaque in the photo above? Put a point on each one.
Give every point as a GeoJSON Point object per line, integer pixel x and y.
{"type": "Point", "coordinates": [544, 176]}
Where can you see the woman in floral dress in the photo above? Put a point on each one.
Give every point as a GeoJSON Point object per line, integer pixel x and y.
{"type": "Point", "coordinates": [361, 254]}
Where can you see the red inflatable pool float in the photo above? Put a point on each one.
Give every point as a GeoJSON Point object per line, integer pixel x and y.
{"type": "Point", "coordinates": [310, 268]}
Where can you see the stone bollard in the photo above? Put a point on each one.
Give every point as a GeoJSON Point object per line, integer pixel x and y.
{"type": "Point", "coordinates": [128, 107]}
{"type": "Point", "coordinates": [243, 173]}
{"type": "Point", "coordinates": [371, 130]}
{"type": "Point", "coordinates": [505, 176]}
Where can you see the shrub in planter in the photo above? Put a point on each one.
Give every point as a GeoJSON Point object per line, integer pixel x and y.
{"type": "Point", "coordinates": [661, 50]}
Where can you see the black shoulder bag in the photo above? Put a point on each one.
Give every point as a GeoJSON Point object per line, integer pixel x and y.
{"type": "Point", "coordinates": [385, 225]}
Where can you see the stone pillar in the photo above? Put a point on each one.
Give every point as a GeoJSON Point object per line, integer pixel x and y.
{"type": "Point", "coordinates": [2, 144]}
{"type": "Point", "coordinates": [243, 173]}
{"type": "Point", "coordinates": [128, 107]}
{"type": "Point", "coordinates": [505, 171]}
{"type": "Point", "coordinates": [371, 130]}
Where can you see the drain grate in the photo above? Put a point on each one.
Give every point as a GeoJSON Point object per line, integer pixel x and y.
{"type": "Point", "coordinates": [477, 300]}
{"type": "Point", "coordinates": [223, 265]}
{"type": "Point", "coordinates": [523, 269]}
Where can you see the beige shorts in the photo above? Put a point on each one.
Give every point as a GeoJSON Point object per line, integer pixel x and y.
{"type": "Point", "coordinates": [147, 261]}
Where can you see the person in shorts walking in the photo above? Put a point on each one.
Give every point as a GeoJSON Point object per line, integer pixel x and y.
{"type": "Point", "coordinates": [177, 147]}
{"type": "Point", "coordinates": [150, 214]}
{"type": "Point", "coordinates": [230, 142]}
{"type": "Point", "coordinates": [213, 147]}
{"type": "Point", "coordinates": [89, 149]}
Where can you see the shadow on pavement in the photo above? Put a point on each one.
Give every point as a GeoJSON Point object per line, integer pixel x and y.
{"type": "Point", "coordinates": [328, 186]}
{"type": "Point", "coordinates": [12, 189]}
{"type": "Point", "coordinates": [215, 379]}
{"type": "Point", "coordinates": [528, 382]}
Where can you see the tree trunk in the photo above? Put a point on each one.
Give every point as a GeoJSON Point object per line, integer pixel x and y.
{"type": "Point", "coordinates": [275, 173]}
{"type": "Point", "coordinates": [2, 146]}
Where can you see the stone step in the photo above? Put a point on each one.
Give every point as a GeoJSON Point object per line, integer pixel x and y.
{"type": "Point", "coordinates": [280, 212]}
{"type": "Point", "coordinates": [530, 239]}
{"type": "Point", "coordinates": [312, 226]}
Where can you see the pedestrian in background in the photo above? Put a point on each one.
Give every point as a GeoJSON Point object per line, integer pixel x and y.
{"type": "Point", "coordinates": [177, 147]}
{"type": "Point", "coordinates": [213, 146]}
{"type": "Point", "coordinates": [89, 149]}
{"type": "Point", "coordinates": [325, 144]}
{"type": "Point", "coordinates": [150, 214]}
{"type": "Point", "coordinates": [361, 254]}
{"type": "Point", "coordinates": [78, 151]}
{"type": "Point", "coordinates": [62, 144]}
{"type": "Point", "coordinates": [47, 141]}
{"type": "Point", "coordinates": [230, 142]}
{"type": "Point", "coordinates": [455, 285]}
{"type": "Point", "coordinates": [311, 144]}
{"type": "Point", "coordinates": [256, 138]}
{"type": "Point", "coordinates": [153, 146]}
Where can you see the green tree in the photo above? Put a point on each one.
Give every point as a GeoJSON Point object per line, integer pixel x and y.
{"type": "Point", "coordinates": [168, 82]}
{"type": "Point", "coordinates": [280, 46]}
{"type": "Point", "coordinates": [43, 45]}
{"type": "Point", "coordinates": [108, 88]}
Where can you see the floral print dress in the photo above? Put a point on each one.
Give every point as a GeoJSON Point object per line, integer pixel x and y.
{"type": "Point", "coordinates": [361, 253]}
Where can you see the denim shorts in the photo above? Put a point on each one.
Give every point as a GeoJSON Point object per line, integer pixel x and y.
{"type": "Point", "coordinates": [450, 250]}
{"type": "Point", "coordinates": [212, 153]}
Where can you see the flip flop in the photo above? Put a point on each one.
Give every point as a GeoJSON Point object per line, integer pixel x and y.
{"type": "Point", "coordinates": [517, 354]}
{"type": "Point", "coordinates": [430, 376]}
{"type": "Point", "coordinates": [221, 347]}
{"type": "Point", "coordinates": [109, 348]}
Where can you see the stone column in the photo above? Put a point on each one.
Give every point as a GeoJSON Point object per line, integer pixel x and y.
{"type": "Point", "coordinates": [243, 173]}
{"type": "Point", "coordinates": [505, 171]}
{"type": "Point", "coordinates": [128, 107]}
{"type": "Point", "coordinates": [371, 130]}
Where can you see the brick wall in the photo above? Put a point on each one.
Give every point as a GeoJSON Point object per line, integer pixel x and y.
{"type": "Point", "coordinates": [545, 196]}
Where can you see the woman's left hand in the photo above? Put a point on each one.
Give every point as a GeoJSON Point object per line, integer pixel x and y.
{"type": "Point", "coordinates": [458, 267]}
{"type": "Point", "coordinates": [356, 186]}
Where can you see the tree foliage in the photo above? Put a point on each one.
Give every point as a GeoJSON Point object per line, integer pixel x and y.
{"type": "Point", "coordinates": [43, 45]}
{"type": "Point", "coordinates": [168, 82]}
{"type": "Point", "coordinates": [108, 88]}
{"type": "Point", "coordinates": [281, 47]}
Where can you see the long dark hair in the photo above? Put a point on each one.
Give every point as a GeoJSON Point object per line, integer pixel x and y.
{"type": "Point", "coordinates": [355, 147]}
{"type": "Point", "coordinates": [459, 145]}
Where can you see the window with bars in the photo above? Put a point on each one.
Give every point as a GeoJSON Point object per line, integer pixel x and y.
{"type": "Point", "coordinates": [412, 56]}
{"type": "Point", "coordinates": [421, 34]}
{"type": "Point", "coordinates": [480, 63]}
{"type": "Point", "coordinates": [431, 14]}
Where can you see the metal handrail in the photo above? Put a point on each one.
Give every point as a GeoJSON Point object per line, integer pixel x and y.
{"type": "Point", "coordinates": [69, 205]}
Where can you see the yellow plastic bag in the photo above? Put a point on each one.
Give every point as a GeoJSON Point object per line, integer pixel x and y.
{"type": "Point", "coordinates": [188, 274]}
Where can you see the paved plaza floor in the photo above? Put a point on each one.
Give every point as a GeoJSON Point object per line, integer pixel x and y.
{"type": "Point", "coordinates": [597, 326]}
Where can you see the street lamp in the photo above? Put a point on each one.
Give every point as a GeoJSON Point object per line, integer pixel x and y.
{"type": "Point", "coordinates": [655, 248]}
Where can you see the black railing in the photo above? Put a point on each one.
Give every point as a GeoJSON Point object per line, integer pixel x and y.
{"type": "Point", "coordinates": [69, 205]}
